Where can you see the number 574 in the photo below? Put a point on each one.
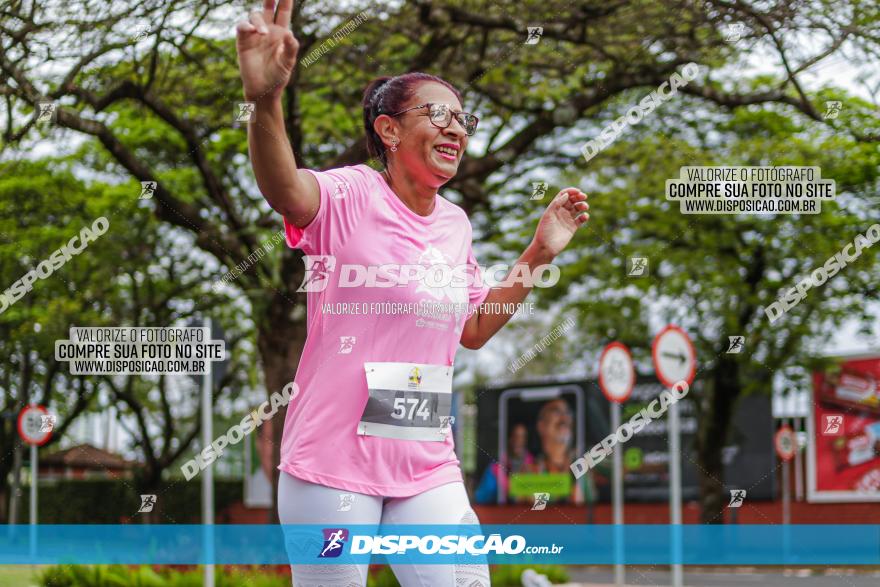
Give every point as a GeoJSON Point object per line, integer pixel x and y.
{"type": "Point", "coordinates": [400, 404]}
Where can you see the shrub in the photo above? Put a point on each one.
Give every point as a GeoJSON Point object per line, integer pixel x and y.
{"type": "Point", "coordinates": [145, 576]}
{"type": "Point", "coordinates": [501, 575]}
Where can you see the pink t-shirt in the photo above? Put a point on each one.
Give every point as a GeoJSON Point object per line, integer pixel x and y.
{"type": "Point", "coordinates": [362, 222]}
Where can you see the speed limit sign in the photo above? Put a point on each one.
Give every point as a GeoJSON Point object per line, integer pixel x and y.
{"type": "Point", "coordinates": [616, 372]}
{"type": "Point", "coordinates": [35, 425]}
{"type": "Point", "coordinates": [785, 440]}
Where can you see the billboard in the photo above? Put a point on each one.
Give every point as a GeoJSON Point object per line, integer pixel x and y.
{"type": "Point", "coordinates": [843, 457]}
{"type": "Point", "coordinates": [523, 427]}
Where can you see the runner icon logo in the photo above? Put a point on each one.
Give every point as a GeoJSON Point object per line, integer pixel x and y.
{"type": "Point", "coordinates": [341, 191]}
{"type": "Point", "coordinates": [637, 266]}
{"type": "Point", "coordinates": [147, 503]}
{"type": "Point", "coordinates": [245, 110]}
{"type": "Point", "coordinates": [539, 188]}
{"type": "Point", "coordinates": [346, 344]}
{"type": "Point", "coordinates": [735, 32]}
{"type": "Point", "coordinates": [46, 111]}
{"type": "Point", "coordinates": [737, 496]}
{"type": "Point", "coordinates": [535, 33]}
{"type": "Point", "coordinates": [346, 500]}
{"type": "Point", "coordinates": [541, 500]}
{"type": "Point", "coordinates": [47, 422]}
{"type": "Point", "coordinates": [318, 269]}
{"type": "Point", "coordinates": [148, 188]}
{"type": "Point", "coordinates": [832, 109]}
{"type": "Point", "coordinates": [334, 540]}
{"type": "Point", "coordinates": [832, 424]}
{"type": "Point", "coordinates": [735, 344]}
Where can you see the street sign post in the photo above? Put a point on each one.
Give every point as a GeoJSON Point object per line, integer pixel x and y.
{"type": "Point", "coordinates": [674, 360]}
{"type": "Point", "coordinates": [674, 356]}
{"type": "Point", "coordinates": [785, 442]}
{"type": "Point", "coordinates": [35, 428]}
{"type": "Point", "coordinates": [31, 425]}
{"type": "Point", "coordinates": [617, 376]}
{"type": "Point", "coordinates": [208, 473]}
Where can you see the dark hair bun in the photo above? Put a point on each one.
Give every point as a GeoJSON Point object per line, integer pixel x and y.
{"type": "Point", "coordinates": [370, 93]}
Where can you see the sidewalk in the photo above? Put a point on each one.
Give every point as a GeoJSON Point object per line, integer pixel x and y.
{"type": "Point", "coordinates": [730, 577]}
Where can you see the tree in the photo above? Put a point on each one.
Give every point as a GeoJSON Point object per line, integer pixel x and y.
{"type": "Point", "coordinates": [714, 274]}
{"type": "Point", "coordinates": [160, 283]}
{"type": "Point", "coordinates": [132, 274]}
{"type": "Point", "coordinates": [160, 104]}
{"type": "Point", "coordinates": [41, 209]}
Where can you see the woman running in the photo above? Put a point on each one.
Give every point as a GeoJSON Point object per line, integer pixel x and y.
{"type": "Point", "coordinates": [367, 442]}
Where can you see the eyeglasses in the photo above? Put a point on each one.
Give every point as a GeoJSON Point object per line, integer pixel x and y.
{"type": "Point", "coordinates": [441, 115]}
{"type": "Point", "coordinates": [559, 411]}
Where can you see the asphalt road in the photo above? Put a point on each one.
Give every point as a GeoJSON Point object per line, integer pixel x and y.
{"type": "Point", "coordinates": [733, 577]}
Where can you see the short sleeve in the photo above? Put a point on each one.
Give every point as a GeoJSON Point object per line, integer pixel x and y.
{"type": "Point", "coordinates": [345, 195]}
{"type": "Point", "coordinates": [478, 289]}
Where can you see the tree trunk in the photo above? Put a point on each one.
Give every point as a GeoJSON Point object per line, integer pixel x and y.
{"type": "Point", "coordinates": [15, 494]}
{"type": "Point", "coordinates": [280, 340]}
{"type": "Point", "coordinates": [8, 432]}
{"type": "Point", "coordinates": [719, 398]}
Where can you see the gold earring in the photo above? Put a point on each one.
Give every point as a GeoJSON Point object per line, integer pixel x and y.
{"type": "Point", "coordinates": [394, 145]}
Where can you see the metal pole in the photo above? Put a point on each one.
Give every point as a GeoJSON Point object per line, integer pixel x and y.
{"type": "Point", "coordinates": [207, 474]}
{"type": "Point", "coordinates": [675, 492]}
{"type": "Point", "coordinates": [786, 493]}
{"type": "Point", "coordinates": [798, 470]}
{"type": "Point", "coordinates": [786, 508]}
{"type": "Point", "coordinates": [617, 499]}
{"type": "Point", "coordinates": [34, 470]}
{"type": "Point", "coordinates": [33, 505]}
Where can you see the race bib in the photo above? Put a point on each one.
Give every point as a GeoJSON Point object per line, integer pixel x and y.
{"type": "Point", "coordinates": [408, 401]}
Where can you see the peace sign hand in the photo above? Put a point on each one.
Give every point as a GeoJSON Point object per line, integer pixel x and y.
{"type": "Point", "coordinates": [266, 50]}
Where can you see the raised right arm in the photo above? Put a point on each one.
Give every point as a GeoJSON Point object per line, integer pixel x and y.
{"type": "Point", "coordinates": [267, 55]}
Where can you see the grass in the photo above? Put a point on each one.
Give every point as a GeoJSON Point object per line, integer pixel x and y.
{"type": "Point", "coordinates": [19, 575]}
{"type": "Point", "coordinates": [502, 575]}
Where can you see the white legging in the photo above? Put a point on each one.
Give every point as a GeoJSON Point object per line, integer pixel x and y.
{"type": "Point", "coordinates": [301, 502]}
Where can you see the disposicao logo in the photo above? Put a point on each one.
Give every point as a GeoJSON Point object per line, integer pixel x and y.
{"type": "Point", "coordinates": [334, 540]}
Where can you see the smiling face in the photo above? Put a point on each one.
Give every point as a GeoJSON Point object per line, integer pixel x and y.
{"type": "Point", "coordinates": [555, 423]}
{"type": "Point", "coordinates": [417, 150]}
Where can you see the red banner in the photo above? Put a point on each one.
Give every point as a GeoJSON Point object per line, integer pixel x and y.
{"type": "Point", "coordinates": [846, 432]}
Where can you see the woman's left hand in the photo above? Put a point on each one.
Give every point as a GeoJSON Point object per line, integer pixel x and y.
{"type": "Point", "coordinates": [565, 214]}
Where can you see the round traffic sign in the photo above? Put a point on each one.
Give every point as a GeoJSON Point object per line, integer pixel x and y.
{"type": "Point", "coordinates": [785, 442]}
{"type": "Point", "coordinates": [674, 356]}
{"type": "Point", "coordinates": [617, 375]}
{"type": "Point", "coordinates": [35, 425]}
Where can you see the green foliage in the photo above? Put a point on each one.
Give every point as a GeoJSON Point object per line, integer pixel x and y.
{"type": "Point", "coordinates": [501, 575]}
{"type": "Point", "coordinates": [145, 576]}
{"type": "Point", "coordinates": [384, 577]}
{"type": "Point", "coordinates": [713, 274]}
{"type": "Point", "coordinates": [134, 274]}
{"type": "Point", "coordinates": [115, 502]}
